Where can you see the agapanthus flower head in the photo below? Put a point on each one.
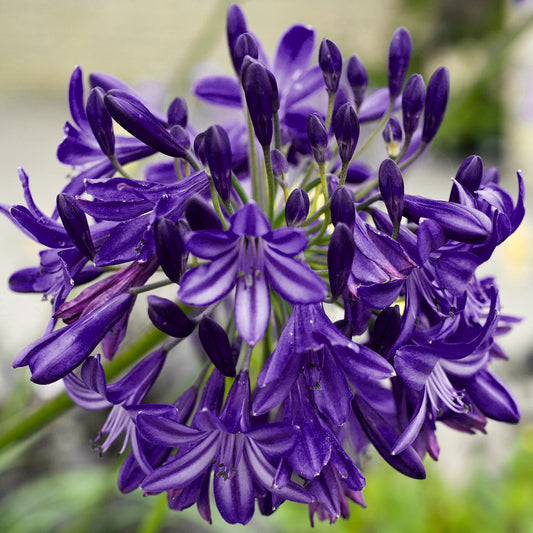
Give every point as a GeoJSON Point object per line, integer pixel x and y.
{"type": "Point", "coordinates": [327, 310]}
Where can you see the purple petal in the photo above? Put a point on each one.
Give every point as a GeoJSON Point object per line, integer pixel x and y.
{"type": "Point", "coordinates": [292, 279]}
{"type": "Point", "coordinates": [252, 308]}
{"type": "Point", "coordinates": [206, 284]}
{"type": "Point", "coordinates": [166, 431]}
{"type": "Point", "coordinates": [209, 244]}
{"type": "Point", "coordinates": [235, 496]}
{"type": "Point", "coordinates": [294, 52]}
{"type": "Point", "coordinates": [186, 467]}
{"type": "Point", "coordinates": [221, 90]}
{"type": "Point", "coordinates": [57, 354]}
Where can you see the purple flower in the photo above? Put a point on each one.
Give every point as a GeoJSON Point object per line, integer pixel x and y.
{"type": "Point", "coordinates": [255, 258]}
{"type": "Point", "coordinates": [240, 456]}
{"type": "Point", "coordinates": [91, 392]}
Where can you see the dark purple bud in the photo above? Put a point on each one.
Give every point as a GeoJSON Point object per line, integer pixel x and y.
{"type": "Point", "coordinates": [383, 435]}
{"type": "Point", "coordinates": [318, 137]}
{"type": "Point", "coordinates": [413, 98]}
{"type": "Point", "coordinates": [170, 249]}
{"type": "Point", "coordinates": [280, 166]}
{"type": "Point", "coordinates": [135, 118]}
{"type": "Point", "coordinates": [218, 154]}
{"type": "Point", "coordinates": [386, 329]}
{"type": "Point", "coordinates": [330, 63]}
{"type": "Point", "coordinates": [275, 91]}
{"type": "Point", "coordinates": [399, 55]}
{"type": "Point", "coordinates": [470, 173]}
{"type": "Point", "coordinates": [469, 176]}
{"type": "Point", "coordinates": [261, 99]}
{"type": "Point", "coordinates": [177, 114]}
{"type": "Point", "coordinates": [56, 354]}
{"type": "Point", "coordinates": [169, 318]}
{"type": "Point", "coordinates": [393, 136]}
{"type": "Point", "coordinates": [245, 45]}
{"type": "Point", "coordinates": [341, 252]}
{"type": "Point", "coordinates": [199, 148]}
{"type": "Point", "coordinates": [436, 101]}
{"type": "Point", "coordinates": [358, 172]}
{"type": "Point", "coordinates": [235, 26]}
{"type": "Point", "coordinates": [357, 78]}
{"type": "Point", "coordinates": [217, 346]}
{"type": "Point", "coordinates": [296, 208]}
{"type": "Point", "coordinates": [75, 224]}
{"type": "Point", "coordinates": [346, 129]}
{"type": "Point", "coordinates": [200, 214]}
{"type": "Point", "coordinates": [100, 121]}
{"type": "Point", "coordinates": [342, 207]}
{"type": "Point", "coordinates": [391, 190]}
{"type": "Point", "coordinates": [180, 135]}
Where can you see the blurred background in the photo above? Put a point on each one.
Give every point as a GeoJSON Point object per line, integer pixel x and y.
{"type": "Point", "coordinates": [54, 481]}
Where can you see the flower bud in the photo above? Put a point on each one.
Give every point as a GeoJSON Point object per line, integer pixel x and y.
{"type": "Point", "coordinates": [135, 118]}
{"type": "Point", "coordinates": [200, 214]}
{"type": "Point", "coordinates": [342, 207]}
{"type": "Point", "coordinates": [218, 154]}
{"type": "Point", "coordinates": [346, 129]}
{"type": "Point", "coordinates": [100, 121]}
{"type": "Point", "coordinates": [399, 55]}
{"type": "Point", "coordinates": [296, 208]}
{"type": "Point", "coordinates": [169, 318]}
{"type": "Point", "coordinates": [391, 189]}
{"type": "Point", "coordinates": [199, 148]}
{"type": "Point", "coordinates": [262, 99]}
{"type": "Point", "coordinates": [170, 249]}
{"type": "Point", "coordinates": [436, 101]}
{"type": "Point", "coordinates": [217, 346]}
{"type": "Point", "coordinates": [75, 224]}
{"type": "Point", "coordinates": [469, 176]}
{"type": "Point", "coordinates": [357, 78]}
{"type": "Point", "coordinates": [177, 113]}
{"type": "Point", "coordinates": [280, 166]}
{"type": "Point", "coordinates": [235, 26]}
{"type": "Point", "coordinates": [318, 137]}
{"type": "Point", "coordinates": [393, 136]}
{"type": "Point", "coordinates": [245, 45]}
{"type": "Point", "coordinates": [180, 136]}
{"type": "Point", "coordinates": [341, 252]}
{"type": "Point", "coordinates": [413, 97]}
{"type": "Point", "coordinates": [330, 63]}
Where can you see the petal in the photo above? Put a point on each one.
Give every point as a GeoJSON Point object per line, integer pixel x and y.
{"type": "Point", "coordinates": [209, 244]}
{"type": "Point", "coordinates": [295, 51]}
{"type": "Point", "coordinates": [221, 90]}
{"type": "Point", "coordinates": [184, 468]}
{"type": "Point", "coordinates": [252, 308]}
{"type": "Point", "coordinates": [234, 496]}
{"type": "Point", "coordinates": [206, 284]}
{"type": "Point", "coordinates": [411, 431]}
{"type": "Point", "coordinates": [292, 279]}
{"type": "Point", "coordinates": [166, 431]}
{"type": "Point", "coordinates": [59, 353]}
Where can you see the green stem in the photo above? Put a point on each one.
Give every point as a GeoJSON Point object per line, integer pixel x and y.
{"type": "Point", "coordinates": [277, 132]}
{"type": "Point", "coordinates": [22, 426]}
{"type": "Point", "coordinates": [119, 168]}
{"type": "Point", "coordinates": [238, 187]}
{"type": "Point", "coordinates": [378, 128]}
{"type": "Point", "coordinates": [257, 191]}
{"type": "Point", "coordinates": [271, 182]}
{"type": "Point", "coordinates": [329, 116]}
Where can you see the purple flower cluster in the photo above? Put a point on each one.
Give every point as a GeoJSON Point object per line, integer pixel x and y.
{"type": "Point", "coordinates": [332, 310]}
